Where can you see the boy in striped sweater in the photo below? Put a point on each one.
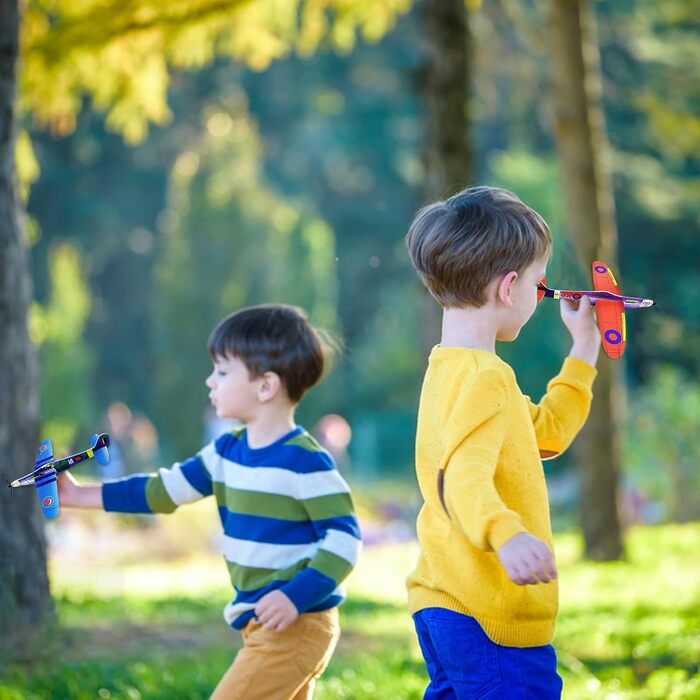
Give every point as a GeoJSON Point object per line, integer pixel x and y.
{"type": "Point", "coordinates": [290, 531]}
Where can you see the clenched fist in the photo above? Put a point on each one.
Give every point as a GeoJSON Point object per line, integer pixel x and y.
{"type": "Point", "coordinates": [275, 611]}
{"type": "Point", "coordinates": [527, 560]}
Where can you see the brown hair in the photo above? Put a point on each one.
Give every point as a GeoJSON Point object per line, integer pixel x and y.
{"type": "Point", "coordinates": [459, 245]}
{"type": "Point", "coordinates": [275, 338]}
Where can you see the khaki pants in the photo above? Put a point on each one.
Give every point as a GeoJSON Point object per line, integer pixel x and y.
{"type": "Point", "coordinates": [281, 665]}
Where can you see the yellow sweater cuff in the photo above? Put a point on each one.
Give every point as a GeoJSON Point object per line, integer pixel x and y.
{"type": "Point", "coordinates": [502, 530]}
{"type": "Point", "coordinates": [578, 369]}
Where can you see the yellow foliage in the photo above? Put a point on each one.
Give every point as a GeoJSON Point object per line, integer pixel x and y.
{"type": "Point", "coordinates": [119, 54]}
{"type": "Point", "coordinates": [62, 321]}
{"type": "Point", "coordinates": [27, 165]}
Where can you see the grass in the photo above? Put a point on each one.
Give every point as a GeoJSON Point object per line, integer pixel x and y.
{"type": "Point", "coordinates": [138, 627]}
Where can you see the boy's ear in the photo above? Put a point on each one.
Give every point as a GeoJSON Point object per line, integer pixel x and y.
{"type": "Point", "coordinates": [504, 287]}
{"type": "Point", "coordinates": [269, 386]}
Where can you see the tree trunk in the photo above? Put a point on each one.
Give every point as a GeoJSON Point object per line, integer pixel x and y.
{"type": "Point", "coordinates": [583, 156]}
{"type": "Point", "coordinates": [24, 589]}
{"type": "Point", "coordinates": [445, 89]}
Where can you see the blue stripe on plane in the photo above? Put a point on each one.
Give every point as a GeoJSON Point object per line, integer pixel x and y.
{"type": "Point", "coordinates": [197, 476]}
{"type": "Point", "coordinates": [44, 454]}
{"type": "Point", "coordinates": [256, 528]}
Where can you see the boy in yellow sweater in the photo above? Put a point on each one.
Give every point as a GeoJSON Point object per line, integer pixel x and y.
{"type": "Point", "coordinates": [484, 594]}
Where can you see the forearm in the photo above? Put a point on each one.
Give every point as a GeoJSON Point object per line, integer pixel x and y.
{"type": "Point", "coordinates": [476, 509]}
{"type": "Point", "coordinates": [84, 496]}
{"type": "Point", "coordinates": [564, 408]}
{"type": "Point", "coordinates": [586, 350]}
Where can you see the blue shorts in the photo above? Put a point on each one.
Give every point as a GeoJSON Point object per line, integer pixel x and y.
{"type": "Point", "coordinates": [464, 664]}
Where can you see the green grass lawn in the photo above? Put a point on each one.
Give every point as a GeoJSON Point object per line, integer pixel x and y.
{"type": "Point", "coordinates": [136, 629]}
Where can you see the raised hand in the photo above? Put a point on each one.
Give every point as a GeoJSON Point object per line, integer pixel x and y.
{"type": "Point", "coordinates": [580, 322]}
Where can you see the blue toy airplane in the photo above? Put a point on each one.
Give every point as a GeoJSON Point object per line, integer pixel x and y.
{"type": "Point", "coordinates": [46, 470]}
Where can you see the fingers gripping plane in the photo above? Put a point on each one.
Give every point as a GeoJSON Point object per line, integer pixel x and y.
{"type": "Point", "coordinates": [46, 470]}
{"type": "Point", "coordinates": [610, 306]}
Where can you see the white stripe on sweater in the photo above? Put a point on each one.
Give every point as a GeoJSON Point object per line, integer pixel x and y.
{"type": "Point", "coordinates": [260, 555]}
{"type": "Point", "coordinates": [177, 486]}
{"type": "Point", "coordinates": [273, 480]}
{"type": "Point", "coordinates": [342, 545]}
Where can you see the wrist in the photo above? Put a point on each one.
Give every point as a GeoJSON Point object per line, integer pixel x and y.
{"type": "Point", "coordinates": [86, 496]}
{"type": "Point", "coordinates": [586, 350]}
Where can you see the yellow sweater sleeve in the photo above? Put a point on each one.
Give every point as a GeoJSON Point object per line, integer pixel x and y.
{"type": "Point", "coordinates": [564, 408]}
{"type": "Point", "coordinates": [473, 437]}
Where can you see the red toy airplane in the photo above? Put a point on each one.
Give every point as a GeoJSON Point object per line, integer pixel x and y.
{"type": "Point", "coordinates": [610, 306]}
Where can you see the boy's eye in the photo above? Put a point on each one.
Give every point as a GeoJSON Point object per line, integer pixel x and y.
{"type": "Point", "coordinates": [220, 373]}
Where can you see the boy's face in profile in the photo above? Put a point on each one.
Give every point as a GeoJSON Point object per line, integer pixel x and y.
{"type": "Point", "coordinates": [231, 390]}
{"type": "Point", "coordinates": [523, 294]}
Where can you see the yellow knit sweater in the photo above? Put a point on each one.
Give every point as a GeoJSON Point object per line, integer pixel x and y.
{"type": "Point", "coordinates": [479, 447]}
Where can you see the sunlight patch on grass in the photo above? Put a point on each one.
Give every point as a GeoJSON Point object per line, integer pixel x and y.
{"type": "Point", "coordinates": [201, 575]}
{"type": "Point", "coordinates": [626, 630]}
{"type": "Point", "coordinates": [381, 572]}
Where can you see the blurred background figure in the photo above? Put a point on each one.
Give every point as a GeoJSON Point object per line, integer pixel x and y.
{"type": "Point", "coordinates": [144, 455]}
{"type": "Point", "coordinates": [334, 434]}
{"type": "Point", "coordinates": [118, 422]}
{"type": "Point", "coordinates": [134, 448]}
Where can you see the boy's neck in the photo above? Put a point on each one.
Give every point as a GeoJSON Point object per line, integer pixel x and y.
{"type": "Point", "coordinates": [471, 327]}
{"type": "Point", "coordinates": [269, 425]}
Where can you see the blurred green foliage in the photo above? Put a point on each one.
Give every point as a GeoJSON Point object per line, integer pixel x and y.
{"type": "Point", "coordinates": [297, 183]}
{"type": "Point", "coordinates": [67, 362]}
{"type": "Point", "coordinates": [662, 447]}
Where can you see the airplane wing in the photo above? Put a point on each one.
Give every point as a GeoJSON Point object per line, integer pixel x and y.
{"type": "Point", "coordinates": [47, 492]}
{"type": "Point", "coordinates": [44, 454]}
{"type": "Point", "coordinates": [610, 314]}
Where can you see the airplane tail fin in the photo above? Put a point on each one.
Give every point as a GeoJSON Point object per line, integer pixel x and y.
{"type": "Point", "coordinates": [99, 444]}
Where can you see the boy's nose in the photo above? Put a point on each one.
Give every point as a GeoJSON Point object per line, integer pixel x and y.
{"type": "Point", "coordinates": [208, 381]}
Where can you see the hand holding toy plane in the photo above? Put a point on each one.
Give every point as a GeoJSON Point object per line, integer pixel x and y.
{"type": "Point", "coordinates": [46, 470]}
{"type": "Point", "coordinates": [610, 306]}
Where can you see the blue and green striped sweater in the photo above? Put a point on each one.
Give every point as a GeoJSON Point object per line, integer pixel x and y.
{"type": "Point", "coordinates": [287, 515]}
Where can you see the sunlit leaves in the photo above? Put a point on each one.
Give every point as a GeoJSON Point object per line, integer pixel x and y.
{"type": "Point", "coordinates": [26, 163]}
{"type": "Point", "coordinates": [119, 54]}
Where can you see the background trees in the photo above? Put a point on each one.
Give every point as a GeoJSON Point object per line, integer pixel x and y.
{"type": "Point", "coordinates": [291, 173]}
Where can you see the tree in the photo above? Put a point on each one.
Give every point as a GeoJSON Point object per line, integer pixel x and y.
{"type": "Point", "coordinates": [445, 89]}
{"type": "Point", "coordinates": [24, 595]}
{"type": "Point", "coordinates": [446, 92]}
{"type": "Point", "coordinates": [119, 55]}
{"type": "Point", "coordinates": [588, 191]}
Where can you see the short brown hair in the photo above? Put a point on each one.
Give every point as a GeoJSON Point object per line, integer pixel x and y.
{"type": "Point", "coordinates": [459, 245]}
{"type": "Point", "coordinates": [275, 338]}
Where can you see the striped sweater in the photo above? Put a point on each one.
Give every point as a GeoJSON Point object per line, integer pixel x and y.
{"type": "Point", "coordinates": [287, 515]}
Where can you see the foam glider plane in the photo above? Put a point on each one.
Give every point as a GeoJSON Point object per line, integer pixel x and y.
{"type": "Point", "coordinates": [46, 469]}
{"type": "Point", "coordinates": [610, 306]}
